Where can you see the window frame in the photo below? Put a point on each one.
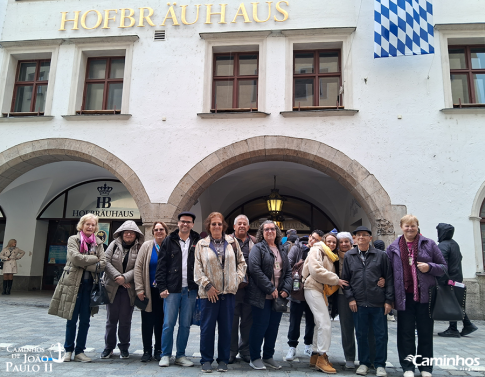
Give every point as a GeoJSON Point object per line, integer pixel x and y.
{"type": "Point", "coordinates": [107, 81]}
{"type": "Point", "coordinates": [469, 71]}
{"type": "Point", "coordinates": [316, 76]}
{"type": "Point", "coordinates": [235, 78]}
{"type": "Point", "coordinates": [34, 85]}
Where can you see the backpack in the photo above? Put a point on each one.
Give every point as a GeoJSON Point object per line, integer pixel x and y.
{"type": "Point", "coordinates": [298, 267]}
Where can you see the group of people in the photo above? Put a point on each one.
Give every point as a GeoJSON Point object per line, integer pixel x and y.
{"type": "Point", "coordinates": [243, 284]}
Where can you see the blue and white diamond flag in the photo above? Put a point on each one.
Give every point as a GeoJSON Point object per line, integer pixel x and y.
{"type": "Point", "coordinates": [403, 27]}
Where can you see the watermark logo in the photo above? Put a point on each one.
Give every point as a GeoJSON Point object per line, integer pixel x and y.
{"type": "Point", "coordinates": [33, 359]}
{"type": "Point", "coordinates": [57, 350]}
{"type": "Point", "coordinates": [462, 363]}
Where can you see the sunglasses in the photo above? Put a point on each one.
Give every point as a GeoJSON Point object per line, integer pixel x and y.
{"type": "Point", "coordinates": [270, 230]}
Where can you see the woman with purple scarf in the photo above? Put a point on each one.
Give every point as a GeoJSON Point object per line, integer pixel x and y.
{"type": "Point", "coordinates": [416, 262]}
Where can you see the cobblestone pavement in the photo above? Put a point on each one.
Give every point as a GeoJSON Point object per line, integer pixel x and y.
{"type": "Point", "coordinates": [24, 322]}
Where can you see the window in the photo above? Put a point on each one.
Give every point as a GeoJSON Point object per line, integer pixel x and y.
{"type": "Point", "coordinates": [30, 88]}
{"type": "Point", "coordinates": [235, 83]}
{"type": "Point", "coordinates": [104, 85]}
{"type": "Point", "coordinates": [467, 73]}
{"type": "Point", "coordinates": [316, 79]}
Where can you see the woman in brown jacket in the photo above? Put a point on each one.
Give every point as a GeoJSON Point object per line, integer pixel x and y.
{"type": "Point", "coordinates": [10, 255]}
{"type": "Point", "coordinates": [145, 286]}
{"type": "Point", "coordinates": [85, 257]}
{"type": "Point", "coordinates": [120, 263]}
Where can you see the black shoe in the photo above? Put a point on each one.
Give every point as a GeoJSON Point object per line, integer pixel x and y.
{"type": "Point", "coordinates": [9, 286]}
{"type": "Point", "coordinates": [147, 356]}
{"type": "Point", "coordinates": [467, 330]}
{"type": "Point", "coordinates": [206, 367]}
{"type": "Point", "coordinates": [245, 358]}
{"type": "Point", "coordinates": [156, 355]}
{"type": "Point", "coordinates": [449, 333]}
{"type": "Point", "coordinates": [222, 367]}
{"type": "Point", "coordinates": [232, 359]}
{"type": "Point", "coordinates": [4, 287]}
{"type": "Point", "coordinates": [106, 354]}
{"type": "Point", "coordinates": [124, 354]}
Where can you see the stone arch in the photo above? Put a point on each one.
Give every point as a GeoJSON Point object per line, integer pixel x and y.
{"type": "Point", "coordinates": [349, 173]}
{"type": "Point", "coordinates": [477, 231]}
{"type": "Point", "coordinates": [21, 158]}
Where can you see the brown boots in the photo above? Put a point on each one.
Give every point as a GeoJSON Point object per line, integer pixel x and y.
{"type": "Point", "coordinates": [313, 359]}
{"type": "Point", "coordinates": [324, 364]}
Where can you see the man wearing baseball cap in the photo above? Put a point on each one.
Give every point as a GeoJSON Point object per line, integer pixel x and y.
{"type": "Point", "coordinates": [175, 282]}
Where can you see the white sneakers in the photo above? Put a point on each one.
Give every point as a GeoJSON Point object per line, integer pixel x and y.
{"type": "Point", "coordinates": [308, 350]}
{"type": "Point", "coordinates": [381, 372]}
{"type": "Point", "coordinates": [425, 374]}
{"type": "Point", "coordinates": [290, 356]}
{"type": "Point", "coordinates": [164, 361]}
{"type": "Point", "coordinates": [409, 373]}
{"type": "Point", "coordinates": [362, 370]}
{"type": "Point", "coordinates": [67, 357]}
{"type": "Point", "coordinates": [184, 362]}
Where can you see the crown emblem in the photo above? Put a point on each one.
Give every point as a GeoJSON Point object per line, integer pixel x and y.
{"type": "Point", "coordinates": [104, 190]}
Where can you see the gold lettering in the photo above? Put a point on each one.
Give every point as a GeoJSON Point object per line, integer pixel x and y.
{"type": "Point", "coordinates": [222, 13]}
{"type": "Point", "coordinates": [107, 18]}
{"type": "Point", "coordinates": [255, 11]}
{"type": "Point", "coordinates": [241, 11]}
{"type": "Point", "coordinates": [141, 23]}
{"type": "Point", "coordinates": [183, 16]}
{"type": "Point", "coordinates": [75, 20]}
{"type": "Point", "coordinates": [123, 16]}
{"type": "Point", "coordinates": [172, 16]}
{"type": "Point", "coordinates": [282, 11]}
{"type": "Point", "coordinates": [83, 19]}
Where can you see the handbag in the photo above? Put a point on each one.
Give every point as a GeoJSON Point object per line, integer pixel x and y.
{"type": "Point", "coordinates": [444, 304]}
{"type": "Point", "coordinates": [197, 313]}
{"type": "Point", "coordinates": [1, 264]}
{"type": "Point", "coordinates": [99, 294]}
{"type": "Point", "coordinates": [280, 305]}
{"type": "Point", "coordinates": [142, 305]}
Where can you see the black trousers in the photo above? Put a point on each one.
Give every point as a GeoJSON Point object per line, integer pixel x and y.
{"type": "Point", "coordinates": [152, 323]}
{"type": "Point", "coordinates": [296, 312]}
{"type": "Point", "coordinates": [466, 322]}
{"type": "Point", "coordinates": [415, 317]}
{"type": "Point", "coordinates": [242, 322]}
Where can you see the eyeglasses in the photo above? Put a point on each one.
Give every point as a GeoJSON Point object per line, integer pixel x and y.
{"type": "Point", "coordinates": [185, 222]}
{"type": "Point", "coordinates": [216, 224]}
{"type": "Point", "coordinates": [159, 230]}
{"type": "Point", "coordinates": [269, 230]}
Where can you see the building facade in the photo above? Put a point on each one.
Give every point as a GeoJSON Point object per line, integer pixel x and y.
{"type": "Point", "coordinates": [144, 111]}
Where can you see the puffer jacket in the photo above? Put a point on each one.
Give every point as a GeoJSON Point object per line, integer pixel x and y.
{"type": "Point", "coordinates": [318, 269]}
{"type": "Point", "coordinates": [64, 298]}
{"type": "Point", "coordinates": [114, 261]}
{"type": "Point", "coordinates": [428, 252]}
{"type": "Point", "coordinates": [261, 271]}
{"type": "Point", "coordinates": [208, 269]}
{"type": "Point", "coordinates": [451, 253]}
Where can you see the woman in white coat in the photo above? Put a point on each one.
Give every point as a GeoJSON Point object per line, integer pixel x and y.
{"type": "Point", "coordinates": [10, 255]}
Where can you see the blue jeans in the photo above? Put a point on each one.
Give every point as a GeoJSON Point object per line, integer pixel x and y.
{"type": "Point", "coordinates": [175, 303]}
{"type": "Point", "coordinates": [362, 320]}
{"type": "Point", "coordinates": [82, 310]}
{"type": "Point", "coordinates": [222, 312]}
{"type": "Point", "coordinates": [266, 323]}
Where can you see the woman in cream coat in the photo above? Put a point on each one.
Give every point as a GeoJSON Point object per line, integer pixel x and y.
{"type": "Point", "coordinates": [145, 286]}
{"type": "Point", "coordinates": [10, 255]}
{"type": "Point", "coordinates": [319, 270]}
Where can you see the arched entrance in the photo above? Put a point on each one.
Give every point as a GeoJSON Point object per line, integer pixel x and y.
{"type": "Point", "coordinates": [349, 173]}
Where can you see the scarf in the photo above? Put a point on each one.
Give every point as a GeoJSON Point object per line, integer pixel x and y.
{"type": "Point", "coordinates": [329, 253]}
{"type": "Point", "coordinates": [85, 240]}
{"type": "Point", "coordinates": [410, 273]}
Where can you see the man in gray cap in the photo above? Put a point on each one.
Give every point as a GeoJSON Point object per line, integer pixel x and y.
{"type": "Point", "coordinates": [175, 282]}
{"type": "Point", "coordinates": [363, 266]}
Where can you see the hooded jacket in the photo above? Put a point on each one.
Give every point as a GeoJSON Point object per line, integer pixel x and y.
{"type": "Point", "coordinates": [169, 267]}
{"type": "Point", "coordinates": [319, 269]}
{"type": "Point", "coordinates": [451, 253]}
{"type": "Point", "coordinates": [114, 261]}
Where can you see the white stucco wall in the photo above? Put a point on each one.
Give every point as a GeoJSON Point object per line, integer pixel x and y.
{"type": "Point", "coordinates": [428, 161]}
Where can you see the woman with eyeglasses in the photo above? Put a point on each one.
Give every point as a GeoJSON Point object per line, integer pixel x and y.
{"type": "Point", "coordinates": [219, 268]}
{"type": "Point", "coordinates": [146, 287]}
{"type": "Point", "coordinates": [269, 278]}
{"type": "Point", "coordinates": [120, 263]}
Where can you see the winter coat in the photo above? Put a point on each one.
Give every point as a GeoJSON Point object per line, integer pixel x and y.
{"type": "Point", "coordinates": [451, 253]}
{"type": "Point", "coordinates": [208, 268]}
{"type": "Point", "coordinates": [65, 296]}
{"type": "Point", "coordinates": [169, 267]}
{"type": "Point", "coordinates": [114, 261]}
{"type": "Point", "coordinates": [428, 252]}
{"type": "Point", "coordinates": [261, 271]}
{"type": "Point", "coordinates": [142, 272]}
{"type": "Point", "coordinates": [318, 269]}
{"type": "Point", "coordinates": [14, 253]}
{"type": "Point", "coordinates": [363, 279]}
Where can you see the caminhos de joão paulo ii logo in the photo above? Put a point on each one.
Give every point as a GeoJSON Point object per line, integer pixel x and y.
{"type": "Point", "coordinates": [457, 361]}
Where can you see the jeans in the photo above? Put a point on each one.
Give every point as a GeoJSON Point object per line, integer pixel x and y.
{"type": "Point", "coordinates": [152, 323]}
{"type": "Point", "coordinates": [296, 312]}
{"type": "Point", "coordinates": [266, 323]}
{"type": "Point", "coordinates": [222, 312]}
{"type": "Point", "coordinates": [82, 310]}
{"type": "Point", "coordinates": [241, 311]}
{"type": "Point", "coordinates": [175, 303]}
{"type": "Point", "coordinates": [415, 317]}
{"type": "Point", "coordinates": [363, 318]}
